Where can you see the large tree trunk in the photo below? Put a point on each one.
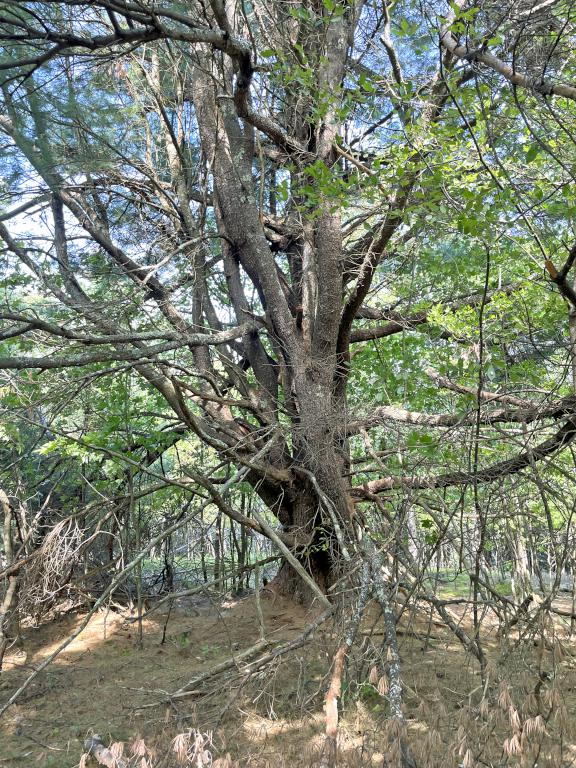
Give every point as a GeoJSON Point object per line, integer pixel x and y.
{"type": "Point", "coordinates": [322, 511]}
{"type": "Point", "coordinates": [306, 335]}
{"type": "Point", "coordinates": [317, 556]}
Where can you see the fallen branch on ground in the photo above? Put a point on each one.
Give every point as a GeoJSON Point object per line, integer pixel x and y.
{"type": "Point", "coordinates": [94, 747]}
{"type": "Point", "coordinates": [190, 688]}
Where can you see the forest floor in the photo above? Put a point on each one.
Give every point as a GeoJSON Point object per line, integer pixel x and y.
{"type": "Point", "coordinates": [275, 718]}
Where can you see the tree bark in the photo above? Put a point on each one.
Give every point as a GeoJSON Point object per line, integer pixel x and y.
{"type": "Point", "coordinates": [7, 607]}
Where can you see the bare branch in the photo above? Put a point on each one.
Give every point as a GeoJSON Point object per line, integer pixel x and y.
{"type": "Point", "coordinates": [563, 437]}
{"type": "Point", "coordinates": [386, 413]}
{"type": "Point", "coordinates": [542, 87]}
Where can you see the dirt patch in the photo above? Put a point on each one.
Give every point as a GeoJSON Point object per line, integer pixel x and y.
{"type": "Point", "coordinates": [97, 683]}
{"type": "Point", "coordinates": [274, 718]}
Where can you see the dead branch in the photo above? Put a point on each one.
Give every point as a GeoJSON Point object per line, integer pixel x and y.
{"type": "Point", "coordinates": [290, 645]}
{"type": "Point", "coordinates": [335, 689]}
{"type": "Point", "coordinates": [298, 567]}
{"type": "Point", "coordinates": [94, 747]}
{"type": "Point", "coordinates": [9, 600]}
{"type": "Point", "coordinates": [190, 688]}
{"type": "Point", "coordinates": [379, 588]}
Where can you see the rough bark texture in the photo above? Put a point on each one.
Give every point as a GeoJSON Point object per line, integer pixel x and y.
{"type": "Point", "coordinates": [338, 668]}
{"type": "Point", "coordinates": [8, 604]}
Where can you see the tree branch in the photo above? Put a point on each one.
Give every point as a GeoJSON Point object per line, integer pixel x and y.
{"type": "Point", "coordinates": [397, 322]}
{"type": "Point", "coordinates": [563, 437]}
{"type": "Point", "coordinates": [385, 413]}
{"type": "Point", "coordinates": [481, 56]}
{"type": "Point", "coordinates": [559, 277]}
{"type": "Point", "coordinates": [146, 353]}
{"type": "Point", "coordinates": [483, 394]}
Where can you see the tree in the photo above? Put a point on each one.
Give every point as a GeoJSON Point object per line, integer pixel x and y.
{"type": "Point", "coordinates": [224, 186]}
{"type": "Point", "coordinates": [307, 227]}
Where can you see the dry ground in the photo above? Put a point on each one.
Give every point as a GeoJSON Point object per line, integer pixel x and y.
{"type": "Point", "coordinates": [275, 718]}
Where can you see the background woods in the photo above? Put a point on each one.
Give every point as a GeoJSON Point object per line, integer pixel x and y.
{"type": "Point", "coordinates": [288, 300]}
